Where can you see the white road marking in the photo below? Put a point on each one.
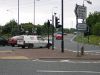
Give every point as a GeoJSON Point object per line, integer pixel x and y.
{"type": "Point", "coordinates": [68, 61]}
{"type": "Point", "coordinates": [45, 60]}
{"type": "Point", "coordinates": [92, 51]}
{"type": "Point", "coordinates": [78, 61]}
{"type": "Point", "coordinates": [52, 71]}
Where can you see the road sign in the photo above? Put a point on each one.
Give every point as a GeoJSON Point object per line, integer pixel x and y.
{"type": "Point", "coordinates": [81, 27]}
{"type": "Point", "coordinates": [80, 11]}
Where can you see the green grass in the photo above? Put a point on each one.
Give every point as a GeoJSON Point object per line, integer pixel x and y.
{"type": "Point", "coordinates": [95, 40]}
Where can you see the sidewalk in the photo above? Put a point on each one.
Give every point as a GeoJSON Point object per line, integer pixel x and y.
{"type": "Point", "coordinates": [45, 53]}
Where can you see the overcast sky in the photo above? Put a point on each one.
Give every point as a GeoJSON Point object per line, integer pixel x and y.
{"type": "Point", "coordinates": [44, 10]}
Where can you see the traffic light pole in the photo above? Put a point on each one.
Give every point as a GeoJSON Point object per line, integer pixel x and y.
{"type": "Point", "coordinates": [62, 43]}
{"type": "Point", "coordinates": [48, 23]}
{"type": "Point", "coordinates": [53, 32]}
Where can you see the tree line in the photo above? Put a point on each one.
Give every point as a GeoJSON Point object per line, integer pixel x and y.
{"type": "Point", "coordinates": [12, 28]}
{"type": "Point", "coordinates": [93, 23]}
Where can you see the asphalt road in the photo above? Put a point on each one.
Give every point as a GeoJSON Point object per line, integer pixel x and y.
{"type": "Point", "coordinates": [8, 48]}
{"type": "Point", "coordinates": [69, 44]}
{"type": "Point", "coordinates": [40, 67]}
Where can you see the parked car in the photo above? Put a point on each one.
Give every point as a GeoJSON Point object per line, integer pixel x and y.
{"type": "Point", "coordinates": [60, 33]}
{"type": "Point", "coordinates": [3, 41]}
{"type": "Point", "coordinates": [31, 41]}
{"type": "Point", "coordinates": [58, 36]}
{"type": "Point", "coordinates": [13, 40]}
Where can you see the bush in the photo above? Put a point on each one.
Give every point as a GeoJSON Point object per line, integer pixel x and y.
{"type": "Point", "coordinates": [96, 29]}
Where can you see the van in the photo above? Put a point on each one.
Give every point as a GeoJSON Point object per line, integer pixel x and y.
{"type": "Point", "coordinates": [31, 41]}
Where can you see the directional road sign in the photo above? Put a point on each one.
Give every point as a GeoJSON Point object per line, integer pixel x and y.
{"type": "Point", "coordinates": [80, 11]}
{"type": "Point", "coordinates": [81, 27]}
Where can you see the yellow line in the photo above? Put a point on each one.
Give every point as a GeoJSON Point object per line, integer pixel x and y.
{"type": "Point", "coordinates": [5, 51]}
{"type": "Point", "coordinates": [14, 57]}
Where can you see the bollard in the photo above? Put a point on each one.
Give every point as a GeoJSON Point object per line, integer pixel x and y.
{"type": "Point", "coordinates": [82, 50]}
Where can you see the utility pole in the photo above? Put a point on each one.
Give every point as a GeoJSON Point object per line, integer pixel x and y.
{"type": "Point", "coordinates": [62, 21]}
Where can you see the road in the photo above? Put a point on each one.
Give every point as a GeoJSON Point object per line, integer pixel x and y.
{"type": "Point", "coordinates": [51, 67]}
{"type": "Point", "coordinates": [40, 67]}
{"type": "Point", "coordinates": [8, 48]}
{"type": "Point", "coordinates": [69, 44]}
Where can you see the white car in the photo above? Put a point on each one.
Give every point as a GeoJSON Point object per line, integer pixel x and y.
{"type": "Point", "coordinates": [31, 41]}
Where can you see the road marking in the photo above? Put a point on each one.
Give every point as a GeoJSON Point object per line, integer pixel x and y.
{"type": "Point", "coordinates": [68, 61]}
{"type": "Point", "coordinates": [82, 61]}
{"type": "Point", "coordinates": [5, 51]}
{"type": "Point", "coordinates": [13, 57]}
{"type": "Point", "coordinates": [92, 51]}
{"type": "Point", "coordinates": [44, 60]}
{"type": "Point", "coordinates": [52, 71]}
{"type": "Point", "coordinates": [73, 38]}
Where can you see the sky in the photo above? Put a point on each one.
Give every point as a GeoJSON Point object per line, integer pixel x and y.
{"type": "Point", "coordinates": [44, 10]}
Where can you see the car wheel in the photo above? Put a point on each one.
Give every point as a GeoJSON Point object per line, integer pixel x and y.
{"type": "Point", "coordinates": [13, 45]}
{"type": "Point", "coordinates": [30, 46]}
{"type": "Point", "coordinates": [3, 44]}
{"type": "Point", "coordinates": [23, 46]}
{"type": "Point", "coordinates": [48, 46]}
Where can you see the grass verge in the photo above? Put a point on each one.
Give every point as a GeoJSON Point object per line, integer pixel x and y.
{"type": "Point", "coordinates": [92, 39]}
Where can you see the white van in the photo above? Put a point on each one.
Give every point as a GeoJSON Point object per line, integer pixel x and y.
{"type": "Point", "coordinates": [31, 41]}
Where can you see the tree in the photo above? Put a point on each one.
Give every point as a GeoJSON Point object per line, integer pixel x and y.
{"type": "Point", "coordinates": [92, 20]}
{"type": "Point", "coordinates": [10, 27]}
{"type": "Point", "coordinates": [45, 29]}
{"type": "Point", "coordinates": [72, 30]}
{"type": "Point", "coordinates": [26, 27]}
{"type": "Point", "coordinates": [96, 29]}
{"type": "Point", "coordinates": [39, 30]}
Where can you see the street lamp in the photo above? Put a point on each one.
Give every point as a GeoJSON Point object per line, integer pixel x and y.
{"type": "Point", "coordinates": [34, 10]}
{"type": "Point", "coordinates": [18, 17]}
{"type": "Point", "coordinates": [88, 1]}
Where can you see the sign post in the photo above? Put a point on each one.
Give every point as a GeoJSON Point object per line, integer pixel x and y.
{"type": "Point", "coordinates": [80, 12]}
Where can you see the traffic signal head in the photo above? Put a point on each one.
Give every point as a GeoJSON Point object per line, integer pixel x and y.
{"type": "Point", "coordinates": [48, 23]}
{"type": "Point", "coordinates": [57, 22]}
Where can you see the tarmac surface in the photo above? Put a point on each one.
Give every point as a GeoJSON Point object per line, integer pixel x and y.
{"type": "Point", "coordinates": [44, 53]}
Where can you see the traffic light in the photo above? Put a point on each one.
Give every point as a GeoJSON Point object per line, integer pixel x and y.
{"type": "Point", "coordinates": [48, 23]}
{"type": "Point", "coordinates": [57, 22]}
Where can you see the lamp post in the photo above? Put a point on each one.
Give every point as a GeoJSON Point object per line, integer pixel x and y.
{"type": "Point", "coordinates": [18, 17]}
{"type": "Point", "coordinates": [53, 30]}
{"type": "Point", "coordinates": [34, 10]}
{"type": "Point", "coordinates": [88, 1]}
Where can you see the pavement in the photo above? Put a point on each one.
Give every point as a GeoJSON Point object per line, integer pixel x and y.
{"type": "Point", "coordinates": [44, 53]}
